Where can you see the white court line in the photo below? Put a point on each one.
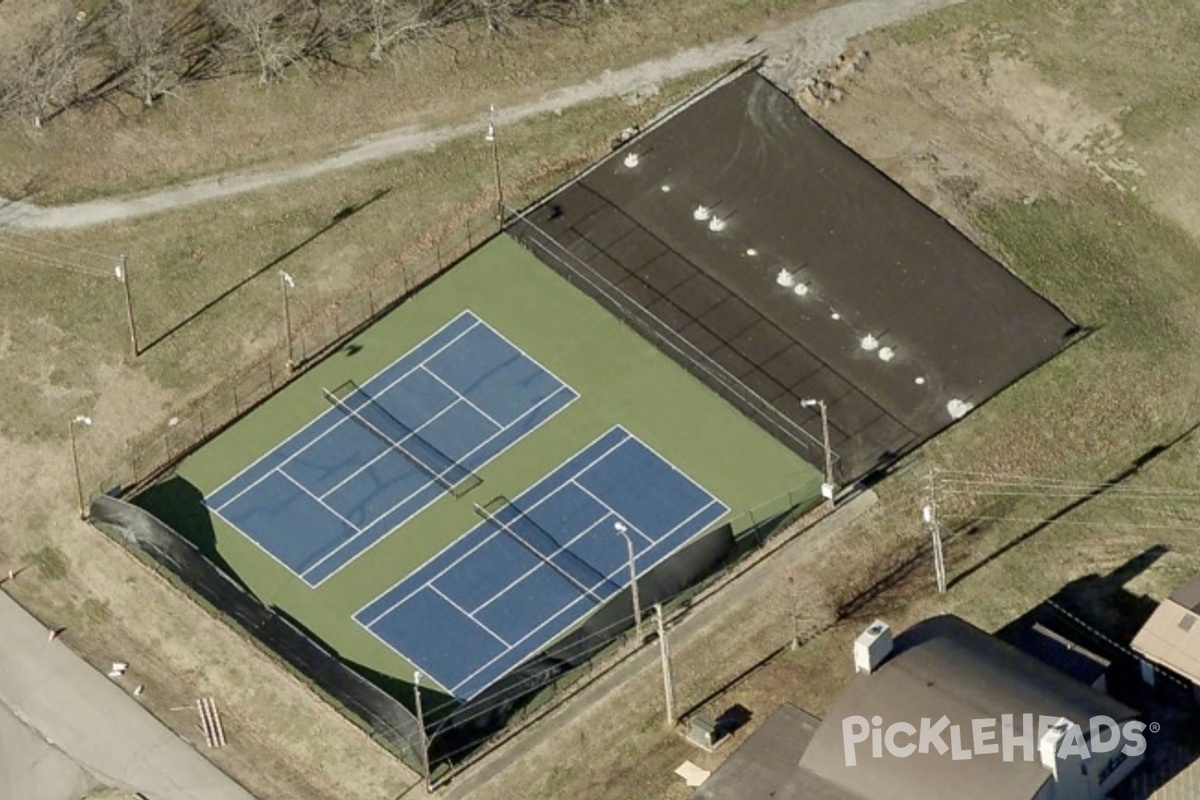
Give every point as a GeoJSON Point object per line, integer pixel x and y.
{"type": "Point", "coordinates": [366, 385]}
{"type": "Point", "coordinates": [462, 397]}
{"type": "Point", "coordinates": [327, 507]}
{"type": "Point", "coordinates": [257, 544]}
{"type": "Point", "coordinates": [606, 515]}
{"type": "Point", "coordinates": [387, 451]}
{"type": "Point", "coordinates": [441, 491]}
{"type": "Point", "coordinates": [611, 510]}
{"type": "Point", "coordinates": [343, 419]}
{"type": "Point", "coordinates": [608, 578]}
{"type": "Point", "coordinates": [467, 614]}
{"type": "Point", "coordinates": [496, 532]}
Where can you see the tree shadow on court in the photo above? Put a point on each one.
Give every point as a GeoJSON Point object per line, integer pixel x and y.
{"type": "Point", "coordinates": [337, 219]}
{"type": "Point", "coordinates": [180, 505]}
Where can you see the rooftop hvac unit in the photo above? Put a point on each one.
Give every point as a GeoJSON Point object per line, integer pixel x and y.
{"type": "Point", "coordinates": [872, 647]}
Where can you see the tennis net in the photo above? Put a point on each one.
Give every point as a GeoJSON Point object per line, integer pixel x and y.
{"type": "Point", "coordinates": [584, 576]}
{"type": "Point", "coordinates": [377, 420]}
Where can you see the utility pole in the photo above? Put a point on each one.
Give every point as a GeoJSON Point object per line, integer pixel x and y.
{"type": "Point", "coordinates": [668, 678]}
{"type": "Point", "coordinates": [929, 517]}
{"type": "Point", "coordinates": [122, 273]}
{"type": "Point", "coordinates": [424, 742]}
{"type": "Point", "coordinates": [286, 282]}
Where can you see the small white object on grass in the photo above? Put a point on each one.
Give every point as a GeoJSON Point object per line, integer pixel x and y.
{"type": "Point", "coordinates": [692, 775]}
{"type": "Point", "coordinates": [666, 187]}
{"type": "Point", "coordinates": [835, 315]}
{"type": "Point", "coordinates": [919, 380]}
{"type": "Point", "coordinates": [750, 251]}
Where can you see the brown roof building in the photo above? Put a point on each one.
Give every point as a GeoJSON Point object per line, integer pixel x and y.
{"type": "Point", "coordinates": [1171, 637]}
{"type": "Point", "coordinates": [944, 712]}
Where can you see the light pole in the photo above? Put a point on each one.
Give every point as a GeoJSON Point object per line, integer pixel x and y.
{"type": "Point", "coordinates": [490, 137]}
{"type": "Point", "coordinates": [424, 743]}
{"type": "Point", "coordinates": [827, 488]}
{"type": "Point", "coordinates": [122, 273]}
{"type": "Point", "coordinates": [79, 420]}
{"type": "Point", "coordinates": [623, 531]}
{"type": "Point", "coordinates": [287, 282]}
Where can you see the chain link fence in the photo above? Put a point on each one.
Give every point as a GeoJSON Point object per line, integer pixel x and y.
{"type": "Point", "coordinates": [314, 336]}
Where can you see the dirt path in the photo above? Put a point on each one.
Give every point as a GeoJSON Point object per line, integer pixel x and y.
{"type": "Point", "coordinates": [793, 51]}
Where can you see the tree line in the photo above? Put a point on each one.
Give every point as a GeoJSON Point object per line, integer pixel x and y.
{"type": "Point", "coordinates": [149, 49]}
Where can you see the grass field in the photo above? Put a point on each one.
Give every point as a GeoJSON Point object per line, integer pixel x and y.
{"type": "Point", "coordinates": [620, 379]}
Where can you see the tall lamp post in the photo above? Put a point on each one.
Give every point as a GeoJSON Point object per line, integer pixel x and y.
{"type": "Point", "coordinates": [287, 282]}
{"type": "Point", "coordinates": [827, 488]}
{"type": "Point", "coordinates": [423, 740]}
{"type": "Point", "coordinates": [122, 273]}
{"type": "Point", "coordinates": [79, 420]}
{"type": "Point", "coordinates": [623, 531]}
{"type": "Point", "coordinates": [490, 137]}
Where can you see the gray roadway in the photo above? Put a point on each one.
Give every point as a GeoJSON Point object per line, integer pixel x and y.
{"type": "Point", "coordinates": [88, 720]}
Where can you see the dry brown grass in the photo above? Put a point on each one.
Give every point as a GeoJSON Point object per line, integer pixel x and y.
{"type": "Point", "coordinates": [62, 352]}
{"type": "Point", "coordinates": [234, 123]}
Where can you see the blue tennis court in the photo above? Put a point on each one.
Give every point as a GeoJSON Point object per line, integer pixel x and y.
{"type": "Point", "coordinates": [415, 431]}
{"type": "Point", "coordinates": [539, 564]}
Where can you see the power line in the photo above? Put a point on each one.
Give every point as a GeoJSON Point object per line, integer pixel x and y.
{"type": "Point", "coordinates": [54, 263]}
{"type": "Point", "coordinates": [52, 243]}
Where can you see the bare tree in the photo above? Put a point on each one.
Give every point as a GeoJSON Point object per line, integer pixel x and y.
{"type": "Point", "coordinates": [271, 34]}
{"type": "Point", "coordinates": [42, 75]}
{"type": "Point", "coordinates": [389, 23]}
{"type": "Point", "coordinates": [149, 48]}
